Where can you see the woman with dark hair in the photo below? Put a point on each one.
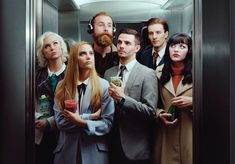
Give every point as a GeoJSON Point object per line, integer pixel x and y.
{"type": "Point", "coordinates": [83, 131]}
{"type": "Point", "coordinates": [173, 139]}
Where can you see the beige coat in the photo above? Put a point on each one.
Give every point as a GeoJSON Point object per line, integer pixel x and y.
{"type": "Point", "coordinates": [173, 145]}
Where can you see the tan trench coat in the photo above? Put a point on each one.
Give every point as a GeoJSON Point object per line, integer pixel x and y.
{"type": "Point", "coordinates": [173, 145]}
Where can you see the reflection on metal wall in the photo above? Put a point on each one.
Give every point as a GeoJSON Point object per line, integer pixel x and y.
{"type": "Point", "coordinates": [212, 82]}
{"type": "Point", "coordinates": [187, 19]}
{"type": "Point", "coordinates": [17, 64]}
{"type": "Point", "coordinates": [69, 24]}
{"type": "Point", "coordinates": [232, 86]}
{"type": "Point", "coordinates": [50, 17]}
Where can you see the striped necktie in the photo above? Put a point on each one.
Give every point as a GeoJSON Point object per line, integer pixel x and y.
{"type": "Point", "coordinates": [155, 56]}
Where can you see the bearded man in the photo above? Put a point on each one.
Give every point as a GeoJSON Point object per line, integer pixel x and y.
{"type": "Point", "coordinates": [103, 30]}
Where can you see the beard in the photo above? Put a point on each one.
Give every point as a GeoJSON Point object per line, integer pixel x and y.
{"type": "Point", "coordinates": [103, 40]}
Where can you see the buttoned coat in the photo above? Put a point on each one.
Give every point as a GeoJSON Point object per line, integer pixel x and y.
{"type": "Point", "coordinates": [173, 145]}
{"type": "Point", "coordinates": [90, 144]}
{"type": "Point", "coordinates": [137, 113]}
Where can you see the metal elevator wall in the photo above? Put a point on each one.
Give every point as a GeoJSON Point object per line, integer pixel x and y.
{"type": "Point", "coordinates": [16, 68]}
{"type": "Point", "coordinates": [232, 82]}
{"type": "Point", "coordinates": [212, 82]}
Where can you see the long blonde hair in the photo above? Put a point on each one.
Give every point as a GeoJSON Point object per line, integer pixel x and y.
{"type": "Point", "coordinates": [68, 87]}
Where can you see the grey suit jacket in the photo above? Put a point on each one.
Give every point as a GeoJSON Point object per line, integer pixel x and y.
{"type": "Point", "coordinates": [137, 113]}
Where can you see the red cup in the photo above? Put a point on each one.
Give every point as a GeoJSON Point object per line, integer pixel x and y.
{"type": "Point", "coordinates": [71, 105]}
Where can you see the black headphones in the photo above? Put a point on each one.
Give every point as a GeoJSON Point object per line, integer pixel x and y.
{"type": "Point", "coordinates": [90, 26]}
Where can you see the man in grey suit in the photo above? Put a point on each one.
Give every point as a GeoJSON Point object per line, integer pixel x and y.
{"type": "Point", "coordinates": [136, 101]}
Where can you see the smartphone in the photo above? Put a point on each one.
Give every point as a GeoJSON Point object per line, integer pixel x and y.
{"type": "Point", "coordinates": [174, 113]}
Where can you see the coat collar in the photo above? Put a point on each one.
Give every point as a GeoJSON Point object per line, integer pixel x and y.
{"type": "Point", "coordinates": [180, 89]}
{"type": "Point", "coordinates": [169, 85]}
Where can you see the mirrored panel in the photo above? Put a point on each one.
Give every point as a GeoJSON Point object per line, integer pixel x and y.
{"type": "Point", "coordinates": [70, 18]}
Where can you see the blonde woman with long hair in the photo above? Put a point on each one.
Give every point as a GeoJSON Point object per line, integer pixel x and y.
{"type": "Point", "coordinates": [83, 132]}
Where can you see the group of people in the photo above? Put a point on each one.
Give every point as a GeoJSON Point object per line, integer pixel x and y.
{"type": "Point", "coordinates": [131, 123]}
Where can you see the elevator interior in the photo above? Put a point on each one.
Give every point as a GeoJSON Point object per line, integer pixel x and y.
{"type": "Point", "coordinates": [211, 23]}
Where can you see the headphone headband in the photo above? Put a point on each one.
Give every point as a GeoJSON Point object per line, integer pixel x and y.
{"type": "Point", "coordinates": [90, 29]}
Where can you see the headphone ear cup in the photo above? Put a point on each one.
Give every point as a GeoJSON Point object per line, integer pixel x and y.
{"type": "Point", "coordinates": [114, 30]}
{"type": "Point", "coordinates": [90, 29]}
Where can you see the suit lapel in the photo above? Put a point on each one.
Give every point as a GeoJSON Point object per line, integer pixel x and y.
{"type": "Point", "coordinates": [150, 60]}
{"type": "Point", "coordinates": [169, 84]}
{"type": "Point", "coordinates": [130, 81]}
{"type": "Point", "coordinates": [161, 62]}
{"type": "Point", "coordinates": [113, 72]}
{"type": "Point", "coordinates": [47, 85]}
{"type": "Point", "coordinates": [86, 99]}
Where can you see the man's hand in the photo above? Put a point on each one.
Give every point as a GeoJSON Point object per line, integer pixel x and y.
{"type": "Point", "coordinates": [117, 93]}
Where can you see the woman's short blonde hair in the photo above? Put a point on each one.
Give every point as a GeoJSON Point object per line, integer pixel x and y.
{"type": "Point", "coordinates": [42, 62]}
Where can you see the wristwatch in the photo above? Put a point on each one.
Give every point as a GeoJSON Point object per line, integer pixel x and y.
{"type": "Point", "coordinates": [122, 100]}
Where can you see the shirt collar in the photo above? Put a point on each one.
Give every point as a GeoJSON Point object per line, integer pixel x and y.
{"type": "Point", "coordinates": [130, 65]}
{"type": "Point", "coordinates": [61, 70]}
{"type": "Point", "coordinates": [84, 82]}
{"type": "Point", "coordinates": [161, 52]}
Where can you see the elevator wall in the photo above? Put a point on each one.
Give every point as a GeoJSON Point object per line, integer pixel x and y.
{"type": "Point", "coordinates": [232, 82]}
{"type": "Point", "coordinates": [212, 82]}
{"type": "Point", "coordinates": [16, 69]}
